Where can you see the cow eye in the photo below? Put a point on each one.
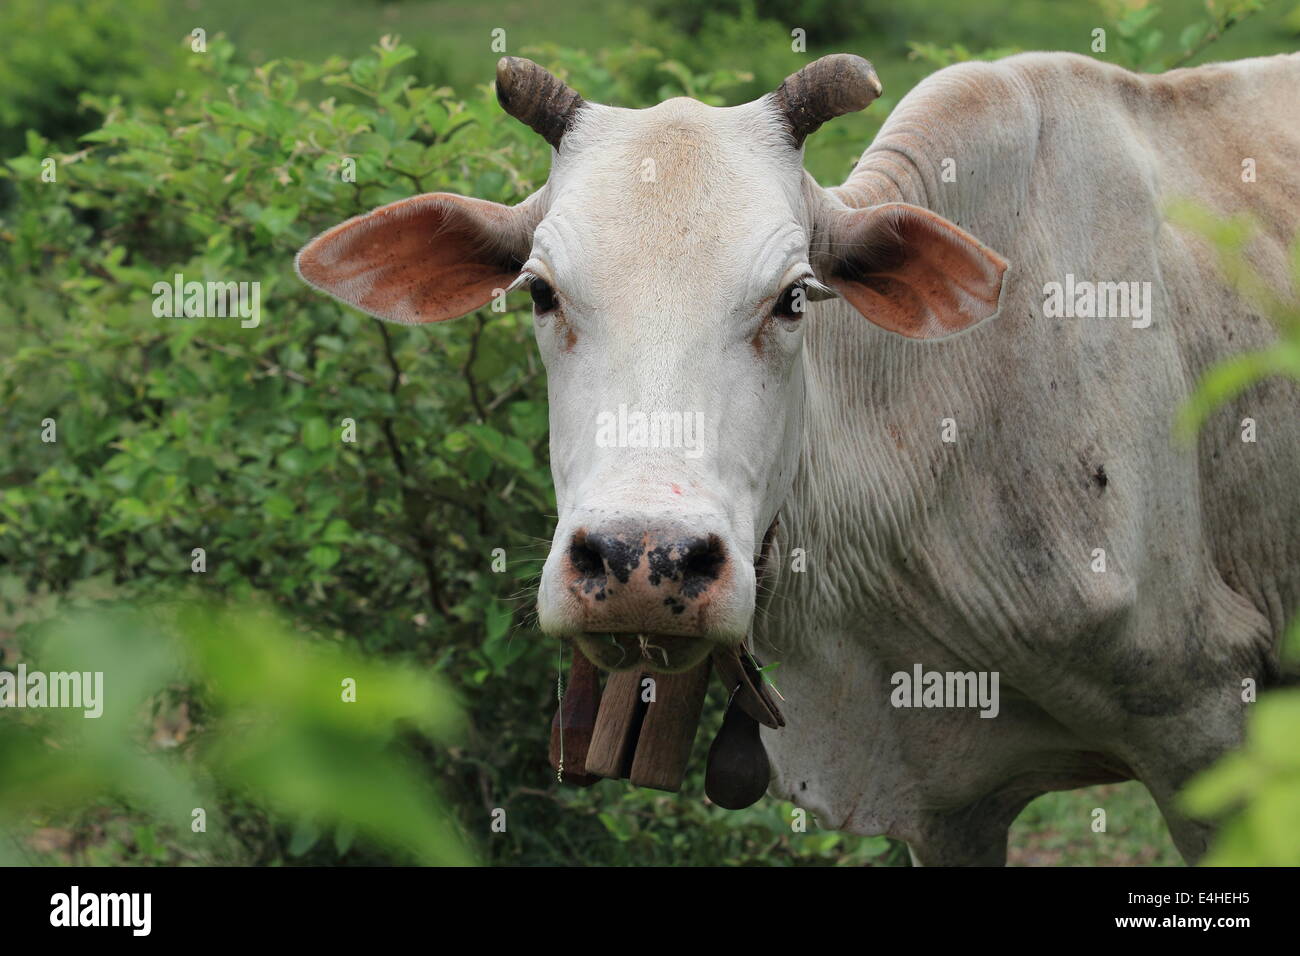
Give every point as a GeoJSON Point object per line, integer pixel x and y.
{"type": "Point", "coordinates": [543, 295]}
{"type": "Point", "coordinates": [792, 303]}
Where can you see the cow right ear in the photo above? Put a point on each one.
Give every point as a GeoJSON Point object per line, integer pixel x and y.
{"type": "Point", "coordinates": [913, 272]}
{"type": "Point", "coordinates": [424, 259]}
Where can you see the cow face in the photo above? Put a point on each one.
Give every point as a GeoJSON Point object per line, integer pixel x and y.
{"type": "Point", "coordinates": [672, 258]}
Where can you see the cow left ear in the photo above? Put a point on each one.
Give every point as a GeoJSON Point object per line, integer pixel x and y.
{"type": "Point", "coordinates": [913, 272]}
{"type": "Point", "coordinates": [424, 259]}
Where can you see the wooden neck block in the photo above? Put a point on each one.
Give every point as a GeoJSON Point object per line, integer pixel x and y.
{"type": "Point", "coordinates": [648, 741]}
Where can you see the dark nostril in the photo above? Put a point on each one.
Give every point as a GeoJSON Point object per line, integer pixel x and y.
{"type": "Point", "coordinates": [586, 560]}
{"type": "Point", "coordinates": [616, 555]}
{"type": "Point", "coordinates": [702, 564]}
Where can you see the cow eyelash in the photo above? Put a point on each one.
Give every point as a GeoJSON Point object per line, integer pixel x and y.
{"type": "Point", "coordinates": [542, 292]}
{"type": "Point", "coordinates": [791, 305]}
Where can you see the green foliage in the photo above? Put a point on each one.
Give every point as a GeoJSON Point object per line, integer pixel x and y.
{"type": "Point", "coordinates": [639, 75]}
{"type": "Point", "coordinates": [183, 433]}
{"type": "Point", "coordinates": [941, 56]}
{"type": "Point", "coordinates": [1056, 829]}
{"type": "Point", "coordinates": [657, 829]}
{"type": "Point", "coordinates": [1256, 790]}
{"type": "Point", "coordinates": [178, 431]}
{"type": "Point", "coordinates": [1135, 31]}
{"type": "Point", "coordinates": [276, 732]}
{"type": "Point", "coordinates": [51, 52]}
{"type": "Point", "coordinates": [1136, 25]}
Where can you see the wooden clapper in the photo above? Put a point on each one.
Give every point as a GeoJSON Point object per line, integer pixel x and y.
{"type": "Point", "coordinates": [618, 734]}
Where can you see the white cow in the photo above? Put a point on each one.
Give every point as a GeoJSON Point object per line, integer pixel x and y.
{"type": "Point", "coordinates": [977, 478]}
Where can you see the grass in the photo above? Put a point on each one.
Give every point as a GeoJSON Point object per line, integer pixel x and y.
{"type": "Point", "coordinates": [458, 35]}
{"type": "Point", "coordinates": [1056, 830]}
{"type": "Point", "coordinates": [455, 37]}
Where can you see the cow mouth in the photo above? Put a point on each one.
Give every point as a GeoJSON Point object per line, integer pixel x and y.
{"type": "Point", "coordinates": [664, 653]}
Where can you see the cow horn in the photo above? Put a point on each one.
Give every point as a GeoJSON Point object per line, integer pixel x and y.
{"type": "Point", "coordinates": [533, 96]}
{"type": "Point", "coordinates": [824, 89]}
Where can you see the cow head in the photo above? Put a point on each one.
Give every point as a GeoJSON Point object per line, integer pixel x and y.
{"type": "Point", "coordinates": [672, 258]}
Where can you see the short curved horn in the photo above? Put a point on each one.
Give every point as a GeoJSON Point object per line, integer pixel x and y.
{"type": "Point", "coordinates": [824, 89]}
{"type": "Point", "coordinates": [533, 96]}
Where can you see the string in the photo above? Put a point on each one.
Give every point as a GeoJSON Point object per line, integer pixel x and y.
{"type": "Point", "coordinates": [559, 697]}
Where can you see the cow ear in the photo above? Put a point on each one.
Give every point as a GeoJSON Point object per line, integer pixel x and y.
{"type": "Point", "coordinates": [424, 259]}
{"type": "Point", "coordinates": [913, 272]}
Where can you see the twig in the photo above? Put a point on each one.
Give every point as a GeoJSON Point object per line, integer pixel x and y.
{"type": "Point", "coordinates": [468, 373]}
{"type": "Point", "coordinates": [424, 542]}
{"type": "Point", "coordinates": [1214, 34]}
{"type": "Point", "coordinates": [271, 367]}
{"type": "Point", "coordinates": [510, 392]}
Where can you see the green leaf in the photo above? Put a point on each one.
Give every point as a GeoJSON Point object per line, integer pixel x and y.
{"type": "Point", "coordinates": [305, 836]}
{"type": "Point", "coordinates": [295, 461]}
{"type": "Point", "coordinates": [336, 532]}
{"type": "Point", "coordinates": [276, 219]}
{"type": "Point", "coordinates": [497, 620]}
{"type": "Point", "coordinates": [200, 470]}
{"type": "Point", "coordinates": [316, 434]}
{"type": "Point", "coordinates": [279, 506]}
{"type": "Point", "coordinates": [344, 836]}
{"type": "Point", "coordinates": [324, 556]}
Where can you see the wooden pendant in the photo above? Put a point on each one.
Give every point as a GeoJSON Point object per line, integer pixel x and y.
{"type": "Point", "coordinates": [575, 721]}
{"type": "Point", "coordinates": [620, 735]}
{"type": "Point", "coordinates": [738, 771]}
{"type": "Point", "coordinates": [617, 724]}
{"type": "Point", "coordinates": [648, 742]}
{"type": "Point", "coordinates": [668, 731]}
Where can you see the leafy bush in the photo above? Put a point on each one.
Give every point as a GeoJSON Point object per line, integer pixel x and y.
{"type": "Point", "coordinates": [277, 732]}
{"type": "Point", "coordinates": [697, 19]}
{"type": "Point", "coordinates": [1141, 39]}
{"type": "Point", "coordinates": [1256, 791]}
{"type": "Point", "coordinates": [51, 52]}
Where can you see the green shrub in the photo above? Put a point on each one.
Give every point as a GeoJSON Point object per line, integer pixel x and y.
{"type": "Point", "coordinates": [280, 732]}
{"type": "Point", "coordinates": [52, 51]}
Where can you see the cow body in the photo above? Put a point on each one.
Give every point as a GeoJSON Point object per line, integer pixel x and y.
{"type": "Point", "coordinates": [669, 257]}
{"type": "Point", "coordinates": [978, 555]}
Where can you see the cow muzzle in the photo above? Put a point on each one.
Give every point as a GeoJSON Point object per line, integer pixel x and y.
{"type": "Point", "coordinates": [660, 596]}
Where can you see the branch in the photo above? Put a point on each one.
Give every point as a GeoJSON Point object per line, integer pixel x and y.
{"type": "Point", "coordinates": [424, 543]}
{"type": "Point", "coordinates": [271, 367]}
{"type": "Point", "coordinates": [394, 448]}
{"type": "Point", "coordinates": [468, 373]}
{"type": "Point", "coordinates": [510, 392]}
{"type": "Point", "coordinates": [1214, 34]}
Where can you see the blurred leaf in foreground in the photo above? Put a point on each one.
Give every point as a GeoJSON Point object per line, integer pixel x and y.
{"type": "Point", "coordinates": [310, 731]}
